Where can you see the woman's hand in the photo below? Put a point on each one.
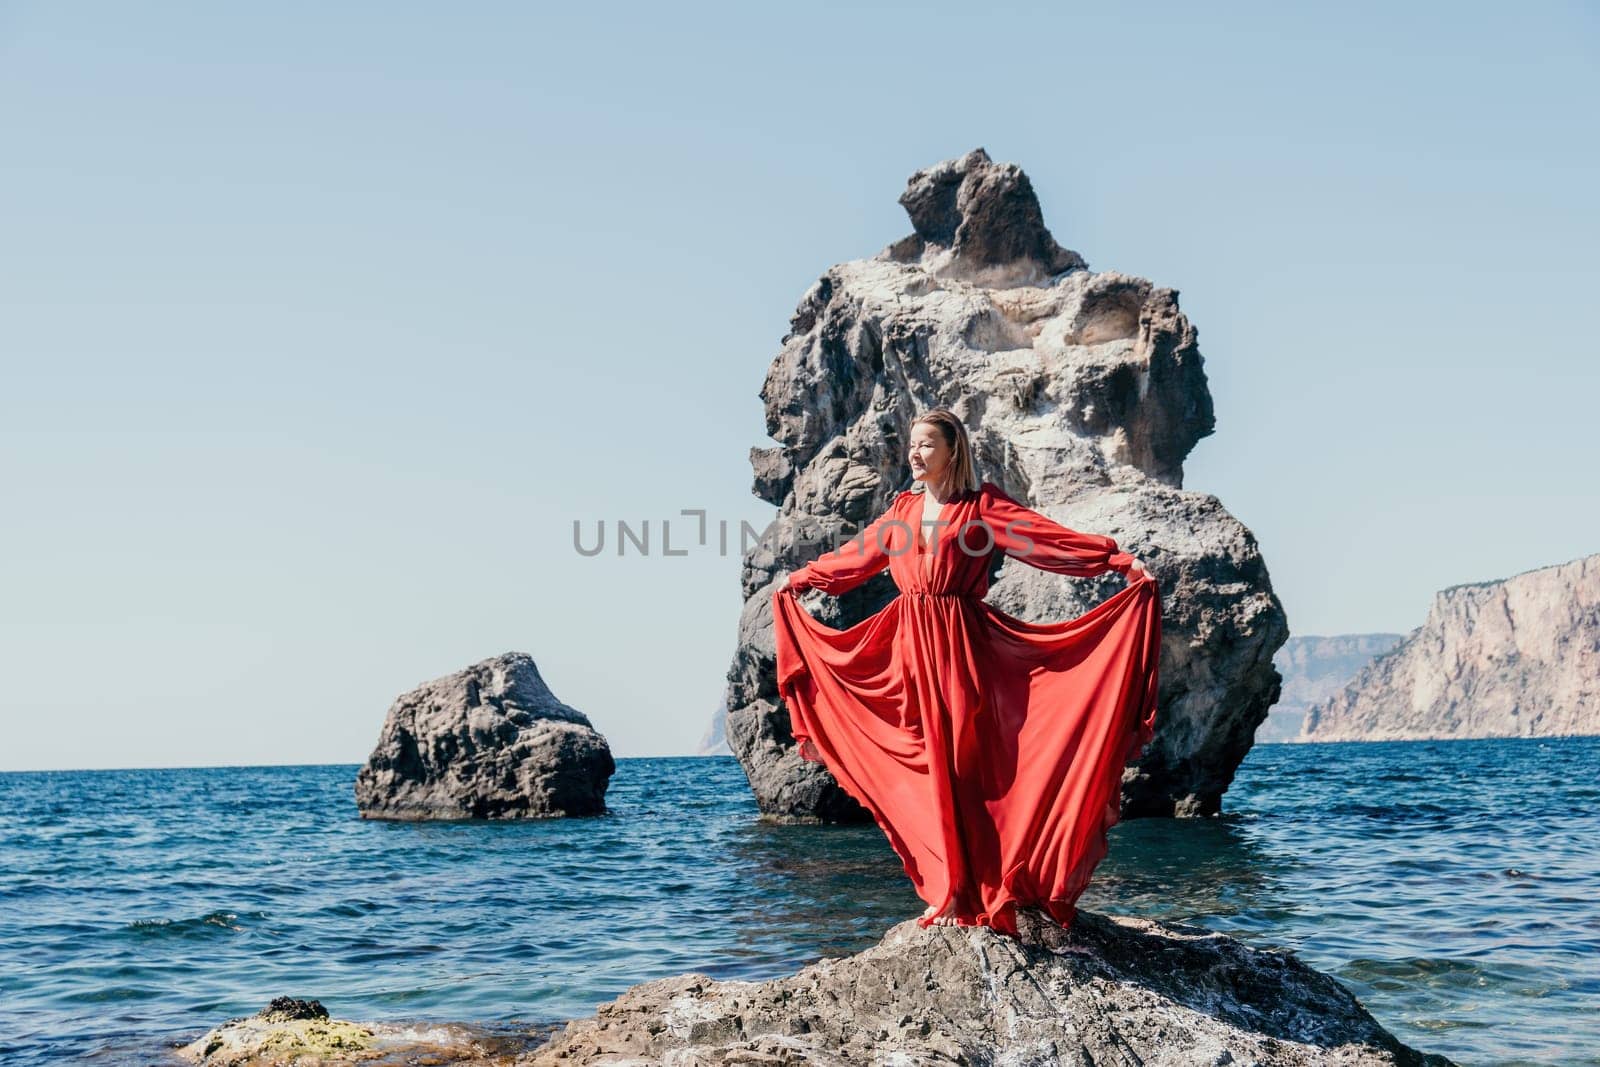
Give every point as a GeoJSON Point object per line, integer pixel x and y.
{"type": "Point", "coordinates": [1136, 572]}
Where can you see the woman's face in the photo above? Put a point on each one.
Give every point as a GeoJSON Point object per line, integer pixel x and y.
{"type": "Point", "coordinates": [929, 455]}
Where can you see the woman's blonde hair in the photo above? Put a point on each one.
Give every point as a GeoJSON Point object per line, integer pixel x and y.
{"type": "Point", "coordinates": [963, 473]}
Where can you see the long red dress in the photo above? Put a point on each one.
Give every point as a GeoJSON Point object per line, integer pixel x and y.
{"type": "Point", "coordinates": [988, 749]}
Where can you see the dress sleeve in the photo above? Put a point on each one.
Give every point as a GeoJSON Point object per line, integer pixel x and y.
{"type": "Point", "coordinates": [852, 563]}
{"type": "Point", "coordinates": [1039, 541]}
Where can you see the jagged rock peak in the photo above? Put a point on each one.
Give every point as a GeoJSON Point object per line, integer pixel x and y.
{"type": "Point", "coordinates": [980, 221]}
{"type": "Point", "coordinates": [1082, 392]}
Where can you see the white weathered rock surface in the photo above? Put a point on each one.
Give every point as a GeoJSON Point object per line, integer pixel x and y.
{"type": "Point", "coordinates": [1518, 657]}
{"type": "Point", "coordinates": [487, 742]}
{"type": "Point", "coordinates": [1083, 393]}
{"type": "Point", "coordinates": [1109, 990]}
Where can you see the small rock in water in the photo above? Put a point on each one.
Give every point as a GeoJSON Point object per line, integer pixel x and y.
{"type": "Point", "coordinates": [487, 742]}
{"type": "Point", "coordinates": [286, 1030]}
{"type": "Point", "coordinates": [300, 1032]}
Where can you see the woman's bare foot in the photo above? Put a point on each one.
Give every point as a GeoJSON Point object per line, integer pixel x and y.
{"type": "Point", "coordinates": [946, 917]}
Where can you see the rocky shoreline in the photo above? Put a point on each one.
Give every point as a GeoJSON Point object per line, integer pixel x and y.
{"type": "Point", "coordinates": [1109, 989]}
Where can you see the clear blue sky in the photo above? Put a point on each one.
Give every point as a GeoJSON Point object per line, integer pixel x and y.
{"type": "Point", "coordinates": [322, 323]}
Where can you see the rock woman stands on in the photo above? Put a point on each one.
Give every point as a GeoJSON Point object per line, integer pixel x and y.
{"type": "Point", "coordinates": [988, 749]}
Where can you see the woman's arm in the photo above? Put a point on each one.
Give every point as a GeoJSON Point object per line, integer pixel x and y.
{"type": "Point", "coordinates": [858, 559]}
{"type": "Point", "coordinates": [1040, 541]}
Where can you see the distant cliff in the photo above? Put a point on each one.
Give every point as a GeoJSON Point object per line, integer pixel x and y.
{"type": "Point", "coordinates": [1513, 658]}
{"type": "Point", "coordinates": [1314, 668]}
{"type": "Point", "coordinates": [714, 742]}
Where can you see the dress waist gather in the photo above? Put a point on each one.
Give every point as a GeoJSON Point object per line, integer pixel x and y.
{"type": "Point", "coordinates": [922, 593]}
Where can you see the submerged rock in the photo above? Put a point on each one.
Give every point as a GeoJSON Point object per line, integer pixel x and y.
{"type": "Point", "coordinates": [1107, 990]}
{"type": "Point", "coordinates": [1083, 393]}
{"type": "Point", "coordinates": [487, 742]}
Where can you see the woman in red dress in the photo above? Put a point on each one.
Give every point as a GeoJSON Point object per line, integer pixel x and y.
{"type": "Point", "coordinates": [988, 749]}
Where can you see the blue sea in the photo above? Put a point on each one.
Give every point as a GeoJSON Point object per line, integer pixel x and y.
{"type": "Point", "coordinates": [1453, 886]}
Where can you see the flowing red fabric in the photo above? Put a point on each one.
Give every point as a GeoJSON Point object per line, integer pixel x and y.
{"type": "Point", "coordinates": [988, 749]}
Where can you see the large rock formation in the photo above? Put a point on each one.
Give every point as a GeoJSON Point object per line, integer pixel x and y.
{"type": "Point", "coordinates": [1109, 990]}
{"type": "Point", "coordinates": [1083, 392]}
{"type": "Point", "coordinates": [1513, 658]}
{"type": "Point", "coordinates": [487, 742]}
{"type": "Point", "coordinates": [1314, 668]}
